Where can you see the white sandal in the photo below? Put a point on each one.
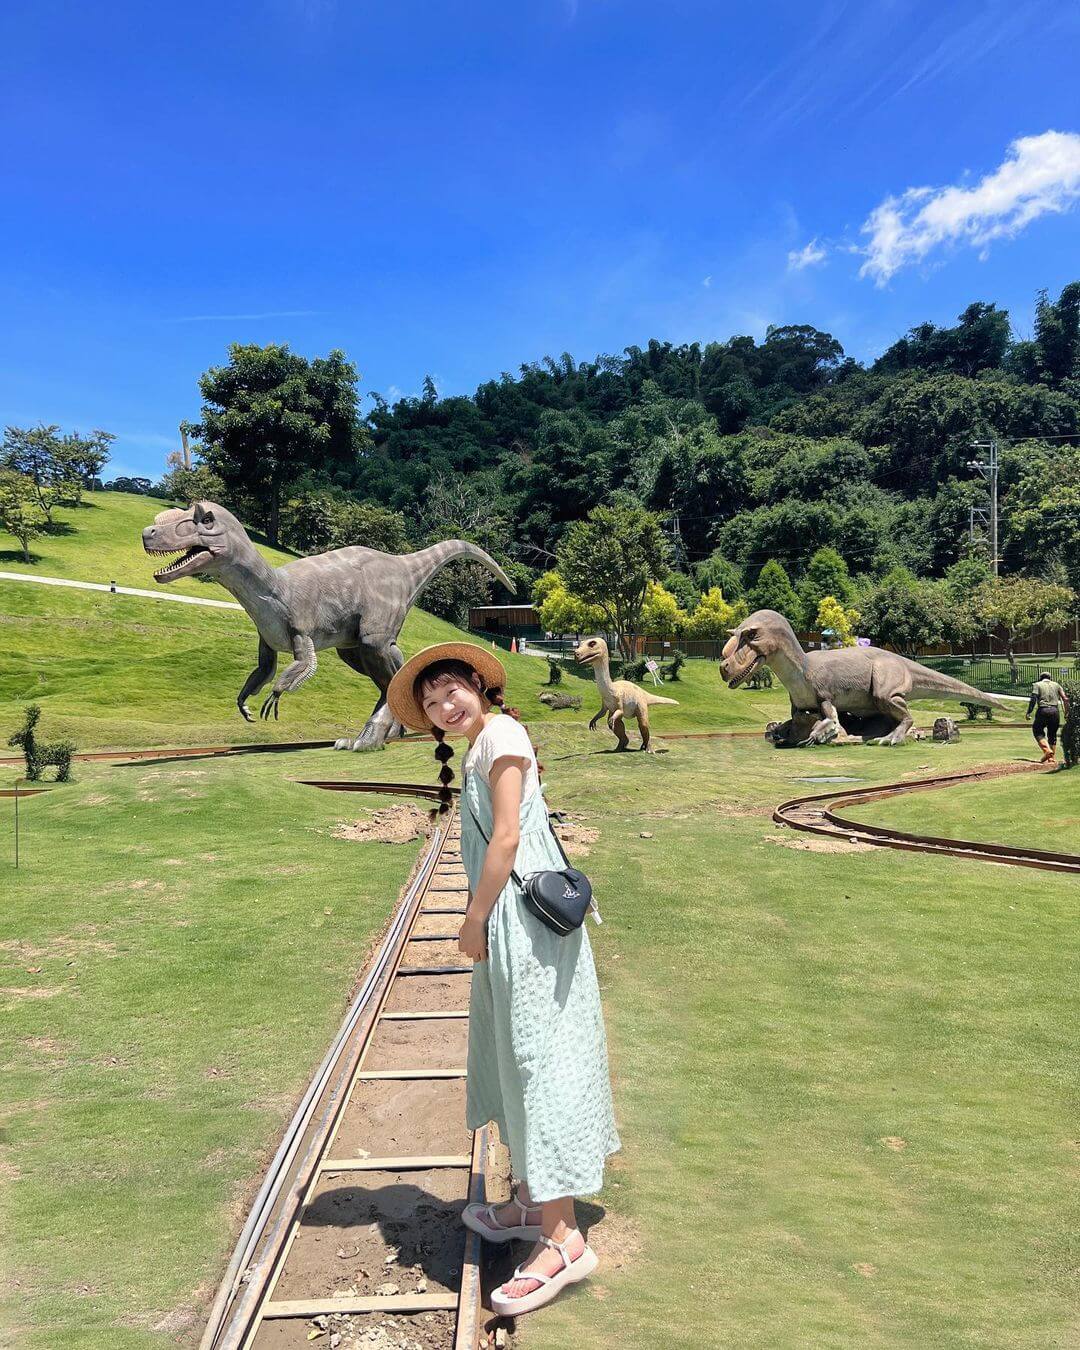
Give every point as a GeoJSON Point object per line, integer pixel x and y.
{"type": "Point", "coordinates": [478, 1217]}
{"type": "Point", "coordinates": [550, 1285]}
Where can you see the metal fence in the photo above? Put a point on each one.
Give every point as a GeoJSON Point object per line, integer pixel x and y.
{"type": "Point", "coordinates": [994, 674]}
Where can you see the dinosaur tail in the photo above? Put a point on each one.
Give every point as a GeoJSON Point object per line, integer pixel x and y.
{"type": "Point", "coordinates": [429, 562]}
{"type": "Point", "coordinates": [929, 683]}
{"type": "Point", "coordinates": [655, 698]}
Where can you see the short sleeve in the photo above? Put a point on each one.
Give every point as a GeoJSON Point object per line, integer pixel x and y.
{"type": "Point", "coordinates": [504, 736]}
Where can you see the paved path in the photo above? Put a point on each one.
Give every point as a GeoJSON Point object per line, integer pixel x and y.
{"type": "Point", "coordinates": [121, 590]}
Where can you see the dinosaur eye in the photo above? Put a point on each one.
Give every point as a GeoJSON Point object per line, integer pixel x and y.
{"type": "Point", "coordinates": [208, 518]}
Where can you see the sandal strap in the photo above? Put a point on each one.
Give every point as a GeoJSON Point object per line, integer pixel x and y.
{"type": "Point", "coordinates": [523, 1211]}
{"type": "Point", "coordinates": [560, 1247]}
{"type": "Point", "coordinates": [522, 1274]}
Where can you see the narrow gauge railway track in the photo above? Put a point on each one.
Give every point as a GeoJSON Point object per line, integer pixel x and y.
{"type": "Point", "coordinates": [822, 814]}
{"type": "Point", "coordinates": [185, 751]}
{"type": "Point", "coordinates": [367, 1187]}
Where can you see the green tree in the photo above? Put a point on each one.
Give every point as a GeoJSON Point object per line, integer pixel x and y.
{"type": "Point", "coordinates": [560, 612]}
{"type": "Point", "coordinates": [685, 590]}
{"type": "Point", "coordinates": [661, 614]}
{"type": "Point", "coordinates": [270, 417]}
{"type": "Point", "coordinates": [20, 509]}
{"type": "Point", "coordinates": [832, 617]}
{"type": "Point", "coordinates": [903, 612]}
{"type": "Point", "coordinates": [1019, 605]}
{"type": "Point", "coordinates": [197, 483]}
{"type": "Point", "coordinates": [714, 617]}
{"type": "Point", "coordinates": [1041, 511]}
{"type": "Point", "coordinates": [318, 521]}
{"type": "Point", "coordinates": [717, 571]}
{"type": "Point", "coordinates": [979, 342]}
{"type": "Point", "coordinates": [608, 560]}
{"type": "Point", "coordinates": [960, 590]}
{"type": "Point", "coordinates": [31, 452]}
{"type": "Point", "coordinates": [79, 461]}
{"type": "Point", "coordinates": [826, 574]}
{"type": "Point", "coordinates": [773, 590]}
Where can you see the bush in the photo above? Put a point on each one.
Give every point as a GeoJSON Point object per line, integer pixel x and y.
{"type": "Point", "coordinates": [554, 671]}
{"type": "Point", "coordinates": [634, 670]}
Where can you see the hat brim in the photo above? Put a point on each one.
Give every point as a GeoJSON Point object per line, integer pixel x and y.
{"type": "Point", "coordinates": [399, 694]}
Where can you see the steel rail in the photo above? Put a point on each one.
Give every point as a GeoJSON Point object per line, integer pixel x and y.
{"type": "Point", "coordinates": [246, 1300]}
{"type": "Point", "coordinates": [237, 1271]}
{"type": "Point", "coordinates": [821, 813]}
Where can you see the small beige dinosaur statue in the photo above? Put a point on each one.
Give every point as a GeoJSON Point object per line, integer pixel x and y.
{"type": "Point", "coordinates": [619, 698]}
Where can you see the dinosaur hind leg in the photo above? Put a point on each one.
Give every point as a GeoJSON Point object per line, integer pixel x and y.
{"type": "Point", "coordinates": [643, 727]}
{"type": "Point", "coordinates": [379, 665]}
{"type": "Point", "coordinates": [618, 725]}
{"type": "Point", "coordinates": [895, 706]}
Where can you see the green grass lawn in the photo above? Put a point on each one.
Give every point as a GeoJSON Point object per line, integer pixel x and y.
{"type": "Point", "coordinates": [1040, 811]}
{"type": "Point", "coordinates": [116, 670]}
{"type": "Point", "coordinates": [845, 1081]}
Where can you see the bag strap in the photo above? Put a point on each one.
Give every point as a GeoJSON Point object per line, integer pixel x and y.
{"type": "Point", "coordinates": [547, 817]}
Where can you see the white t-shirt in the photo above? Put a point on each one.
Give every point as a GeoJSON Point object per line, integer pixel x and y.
{"type": "Point", "coordinates": [504, 737]}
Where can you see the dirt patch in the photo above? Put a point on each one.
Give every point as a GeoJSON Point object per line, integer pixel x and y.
{"type": "Point", "coordinates": [865, 1268]}
{"type": "Point", "coordinates": [816, 843]}
{"type": "Point", "coordinates": [577, 839]}
{"type": "Point", "coordinates": [96, 799]}
{"type": "Point", "coordinates": [387, 825]}
{"type": "Point", "coordinates": [45, 1045]}
{"type": "Point", "coordinates": [616, 1239]}
{"type": "Point", "coordinates": [62, 948]}
{"type": "Point", "coordinates": [39, 991]}
{"type": "Point", "coordinates": [894, 1142]}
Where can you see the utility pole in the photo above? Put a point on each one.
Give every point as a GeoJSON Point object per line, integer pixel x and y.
{"type": "Point", "coordinates": [678, 546]}
{"type": "Point", "coordinates": [989, 472]}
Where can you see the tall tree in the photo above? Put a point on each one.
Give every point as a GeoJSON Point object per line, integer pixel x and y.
{"type": "Point", "coordinates": [608, 560]}
{"type": "Point", "coordinates": [271, 416]}
{"type": "Point", "coordinates": [20, 509]}
{"type": "Point", "coordinates": [32, 452]}
{"type": "Point", "coordinates": [1020, 605]}
{"type": "Point", "coordinates": [826, 574]}
{"type": "Point", "coordinates": [773, 590]}
{"type": "Point", "coordinates": [903, 612]}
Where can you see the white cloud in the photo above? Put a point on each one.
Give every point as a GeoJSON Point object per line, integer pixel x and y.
{"type": "Point", "coordinates": [706, 282]}
{"type": "Point", "coordinates": [1039, 175]}
{"type": "Point", "coordinates": [809, 256]}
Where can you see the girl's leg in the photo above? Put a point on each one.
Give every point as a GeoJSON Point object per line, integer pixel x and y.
{"type": "Point", "coordinates": [558, 1222]}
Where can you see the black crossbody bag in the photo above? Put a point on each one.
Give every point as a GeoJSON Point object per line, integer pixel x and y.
{"type": "Point", "coordinates": [560, 899]}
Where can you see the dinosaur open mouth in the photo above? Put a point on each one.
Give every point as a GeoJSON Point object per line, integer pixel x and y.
{"type": "Point", "coordinates": [745, 674]}
{"type": "Point", "coordinates": [189, 555]}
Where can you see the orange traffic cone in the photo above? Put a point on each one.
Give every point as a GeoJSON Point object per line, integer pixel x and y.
{"type": "Point", "coordinates": [513, 644]}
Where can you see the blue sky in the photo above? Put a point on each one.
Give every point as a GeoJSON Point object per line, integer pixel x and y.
{"type": "Point", "coordinates": [458, 188]}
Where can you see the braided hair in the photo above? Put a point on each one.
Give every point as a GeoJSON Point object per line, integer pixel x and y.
{"type": "Point", "coordinates": [444, 752]}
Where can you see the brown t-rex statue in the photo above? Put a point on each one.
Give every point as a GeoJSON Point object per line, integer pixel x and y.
{"type": "Point", "coordinates": [618, 698]}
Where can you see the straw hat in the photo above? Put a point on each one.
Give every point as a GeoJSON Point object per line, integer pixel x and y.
{"type": "Point", "coordinates": [400, 696]}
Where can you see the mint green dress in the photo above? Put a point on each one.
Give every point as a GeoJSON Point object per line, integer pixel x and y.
{"type": "Point", "coordinates": [537, 1062]}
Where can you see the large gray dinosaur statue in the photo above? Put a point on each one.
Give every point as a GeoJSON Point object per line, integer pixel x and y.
{"type": "Point", "coordinates": [352, 599]}
{"type": "Point", "coordinates": [866, 682]}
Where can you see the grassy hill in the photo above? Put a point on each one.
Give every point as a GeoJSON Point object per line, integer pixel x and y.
{"type": "Point", "coordinates": [113, 670]}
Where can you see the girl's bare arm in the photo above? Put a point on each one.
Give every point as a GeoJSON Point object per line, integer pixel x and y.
{"type": "Point", "coordinates": [507, 781]}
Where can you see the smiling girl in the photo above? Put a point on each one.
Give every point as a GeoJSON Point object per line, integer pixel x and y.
{"type": "Point", "coordinates": [537, 1062]}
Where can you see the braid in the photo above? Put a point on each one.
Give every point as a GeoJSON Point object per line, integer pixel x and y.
{"type": "Point", "coordinates": [443, 753]}
{"type": "Point", "coordinates": [495, 696]}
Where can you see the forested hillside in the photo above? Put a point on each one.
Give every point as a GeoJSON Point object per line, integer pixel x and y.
{"type": "Point", "coordinates": [751, 453]}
